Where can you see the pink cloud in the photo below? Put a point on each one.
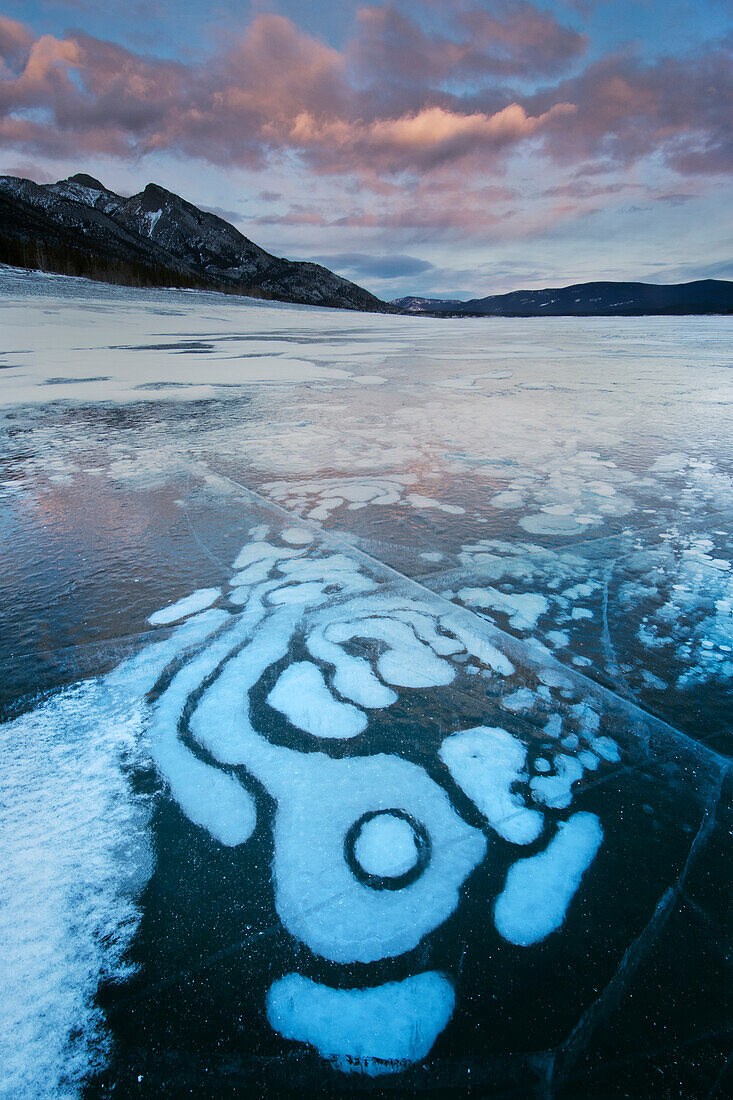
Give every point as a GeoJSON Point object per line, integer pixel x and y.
{"type": "Point", "coordinates": [420, 140]}
{"type": "Point", "coordinates": [231, 110]}
{"type": "Point", "coordinates": [514, 38]}
{"type": "Point", "coordinates": [15, 40]}
{"type": "Point", "coordinates": [679, 108]}
{"type": "Point", "coordinates": [278, 91]}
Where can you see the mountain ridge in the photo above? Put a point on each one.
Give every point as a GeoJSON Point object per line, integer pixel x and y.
{"type": "Point", "coordinates": [154, 238]}
{"type": "Point", "coordinates": [593, 299]}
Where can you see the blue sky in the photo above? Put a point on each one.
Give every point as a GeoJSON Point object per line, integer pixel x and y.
{"type": "Point", "coordinates": [451, 148]}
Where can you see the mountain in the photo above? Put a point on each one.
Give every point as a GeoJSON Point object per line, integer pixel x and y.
{"type": "Point", "coordinates": [79, 227]}
{"type": "Point", "coordinates": [588, 300]}
{"type": "Point", "coordinates": [414, 304]}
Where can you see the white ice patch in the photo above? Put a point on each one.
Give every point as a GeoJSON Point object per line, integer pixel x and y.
{"type": "Point", "coordinates": [317, 896]}
{"type": "Point", "coordinates": [605, 747]}
{"type": "Point", "coordinates": [509, 498]}
{"type": "Point", "coordinates": [539, 890]}
{"type": "Point", "coordinates": [556, 790]}
{"type": "Point", "coordinates": [485, 762]}
{"type": "Point", "coordinates": [419, 501]}
{"type": "Point", "coordinates": [262, 552]}
{"type": "Point", "coordinates": [298, 536]}
{"type": "Point", "coordinates": [253, 574]}
{"type": "Point", "coordinates": [543, 524]}
{"type": "Point", "coordinates": [318, 499]}
{"type": "Point", "coordinates": [386, 846]}
{"type": "Point", "coordinates": [353, 677]}
{"type": "Point", "coordinates": [302, 696]}
{"type": "Point", "coordinates": [209, 797]}
{"type": "Point", "coordinates": [376, 1030]}
{"type": "Point", "coordinates": [189, 605]}
{"type": "Point", "coordinates": [407, 662]}
{"type": "Point", "coordinates": [522, 609]}
{"type": "Point", "coordinates": [520, 700]}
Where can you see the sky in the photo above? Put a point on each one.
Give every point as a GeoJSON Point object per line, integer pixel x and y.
{"type": "Point", "coordinates": [447, 148]}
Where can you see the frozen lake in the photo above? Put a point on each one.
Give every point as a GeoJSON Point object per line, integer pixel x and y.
{"type": "Point", "coordinates": [367, 698]}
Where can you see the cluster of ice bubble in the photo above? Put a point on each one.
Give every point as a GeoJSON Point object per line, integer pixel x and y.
{"type": "Point", "coordinates": [370, 854]}
{"type": "Point", "coordinates": [566, 583]}
{"type": "Point", "coordinates": [571, 493]}
{"type": "Point", "coordinates": [679, 595]}
{"type": "Point", "coordinates": [317, 499]}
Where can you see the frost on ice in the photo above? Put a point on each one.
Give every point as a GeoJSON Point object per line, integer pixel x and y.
{"type": "Point", "coordinates": [197, 601]}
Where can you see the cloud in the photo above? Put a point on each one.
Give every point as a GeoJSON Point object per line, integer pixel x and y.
{"type": "Point", "coordinates": [417, 141]}
{"type": "Point", "coordinates": [514, 38]}
{"type": "Point", "coordinates": [391, 266]}
{"type": "Point", "coordinates": [15, 41]}
{"type": "Point", "coordinates": [231, 109]}
{"type": "Point", "coordinates": [676, 107]}
{"type": "Point", "coordinates": [396, 105]}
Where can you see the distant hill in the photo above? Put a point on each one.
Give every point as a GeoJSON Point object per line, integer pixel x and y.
{"type": "Point", "coordinates": [587, 300]}
{"type": "Point", "coordinates": [427, 305]}
{"type": "Point", "coordinates": [79, 227]}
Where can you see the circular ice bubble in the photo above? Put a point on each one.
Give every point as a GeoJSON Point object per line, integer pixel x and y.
{"type": "Point", "coordinates": [386, 846]}
{"type": "Point", "coordinates": [387, 849]}
{"type": "Point", "coordinates": [544, 524]}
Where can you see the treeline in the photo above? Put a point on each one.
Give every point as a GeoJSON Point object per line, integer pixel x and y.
{"type": "Point", "coordinates": [62, 259]}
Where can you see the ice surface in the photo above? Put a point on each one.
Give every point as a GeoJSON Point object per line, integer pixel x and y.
{"type": "Point", "coordinates": [448, 606]}
{"type": "Point", "coordinates": [539, 889]}
{"type": "Point", "coordinates": [371, 1031]}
